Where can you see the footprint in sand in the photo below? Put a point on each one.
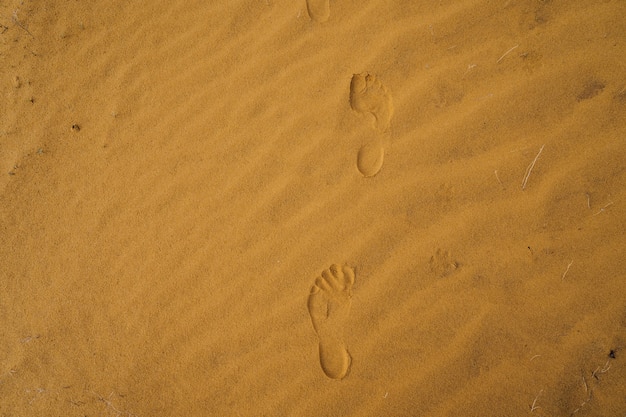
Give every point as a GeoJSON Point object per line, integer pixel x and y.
{"type": "Point", "coordinates": [369, 160]}
{"type": "Point", "coordinates": [319, 10]}
{"type": "Point", "coordinates": [369, 95]}
{"type": "Point", "coordinates": [329, 307]}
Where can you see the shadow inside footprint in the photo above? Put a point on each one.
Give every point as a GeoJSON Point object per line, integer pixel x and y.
{"type": "Point", "coordinates": [319, 10]}
{"type": "Point", "coordinates": [329, 306]}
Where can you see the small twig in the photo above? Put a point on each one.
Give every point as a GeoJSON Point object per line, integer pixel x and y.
{"type": "Point", "coordinates": [535, 406]}
{"type": "Point", "coordinates": [9, 372]}
{"type": "Point", "coordinates": [17, 22]}
{"type": "Point", "coordinates": [602, 209]}
{"type": "Point", "coordinates": [29, 338]}
{"type": "Point", "coordinates": [605, 369]}
{"type": "Point", "coordinates": [110, 404]}
{"type": "Point", "coordinates": [584, 403]}
{"type": "Point", "coordinates": [567, 269]}
{"type": "Point", "coordinates": [530, 168]}
{"type": "Point", "coordinates": [588, 201]}
{"type": "Point", "coordinates": [498, 178]}
{"type": "Point", "coordinates": [469, 68]}
{"type": "Point", "coordinates": [506, 53]}
{"type": "Point", "coordinates": [607, 366]}
{"type": "Point", "coordinates": [535, 357]}
{"type": "Point", "coordinates": [77, 403]}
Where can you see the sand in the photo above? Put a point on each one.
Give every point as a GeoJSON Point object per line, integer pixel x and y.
{"type": "Point", "coordinates": [282, 208]}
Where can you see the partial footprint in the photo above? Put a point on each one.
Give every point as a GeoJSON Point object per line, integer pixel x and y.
{"type": "Point", "coordinates": [329, 307]}
{"type": "Point", "coordinates": [369, 95]}
{"type": "Point", "coordinates": [370, 158]}
{"type": "Point", "coordinates": [319, 10]}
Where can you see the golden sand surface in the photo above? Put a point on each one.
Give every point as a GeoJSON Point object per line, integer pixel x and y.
{"type": "Point", "coordinates": [313, 208]}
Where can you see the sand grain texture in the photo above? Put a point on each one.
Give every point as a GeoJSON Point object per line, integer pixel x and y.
{"type": "Point", "coordinates": [175, 178]}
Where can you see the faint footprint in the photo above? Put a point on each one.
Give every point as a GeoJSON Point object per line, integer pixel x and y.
{"type": "Point", "coordinates": [591, 89]}
{"type": "Point", "coordinates": [319, 10]}
{"type": "Point", "coordinates": [369, 95]}
{"type": "Point", "coordinates": [442, 264]}
{"type": "Point", "coordinates": [329, 307]}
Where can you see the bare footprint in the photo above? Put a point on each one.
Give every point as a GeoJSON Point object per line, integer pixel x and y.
{"type": "Point", "coordinates": [329, 307]}
{"type": "Point", "coordinates": [369, 95]}
{"type": "Point", "coordinates": [319, 10]}
{"type": "Point", "coordinates": [370, 158]}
